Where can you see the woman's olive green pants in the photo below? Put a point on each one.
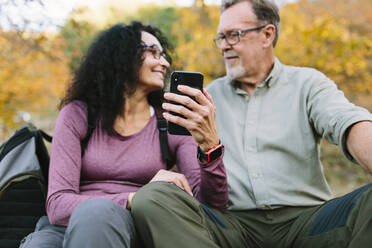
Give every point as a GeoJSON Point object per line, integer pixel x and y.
{"type": "Point", "coordinates": [165, 216]}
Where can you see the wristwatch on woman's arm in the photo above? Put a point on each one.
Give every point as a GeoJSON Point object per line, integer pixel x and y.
{"type": "Point", "coordinates": [210, 155]}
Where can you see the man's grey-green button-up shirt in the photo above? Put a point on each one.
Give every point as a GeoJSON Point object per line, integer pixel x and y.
{"type": "Point", "coordinates": [272, 137]}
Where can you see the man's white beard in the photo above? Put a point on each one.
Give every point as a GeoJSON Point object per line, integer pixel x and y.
{"type": "Point", "coordinates": [235, 72]}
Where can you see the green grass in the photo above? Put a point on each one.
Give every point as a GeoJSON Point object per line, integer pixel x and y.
{"type": "Point", "coordinates": [342, 175]}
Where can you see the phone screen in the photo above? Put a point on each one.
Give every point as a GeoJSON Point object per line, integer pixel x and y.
{"type": "Point", "coordinates": [192, 79]}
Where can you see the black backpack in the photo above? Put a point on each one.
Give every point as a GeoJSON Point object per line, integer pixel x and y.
{"type": "Point", "coordinates": [24, 163]}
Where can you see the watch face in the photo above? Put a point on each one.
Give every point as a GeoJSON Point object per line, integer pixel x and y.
{"type": "Point", "coordinates": [211, 155]}
{"type": "Point", "coordinates": [216, 153]}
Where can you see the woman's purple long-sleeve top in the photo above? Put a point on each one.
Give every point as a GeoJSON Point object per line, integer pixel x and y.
{"type": "Point", "coordinates": [114, 166]}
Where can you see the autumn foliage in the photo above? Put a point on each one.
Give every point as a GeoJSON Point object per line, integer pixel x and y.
{"type": "Point", "coordinates": [32, 76]}
{"type": "Point", "coordinates": [35, 68]}
{"type": "Point", "coordinates": [313, 35]}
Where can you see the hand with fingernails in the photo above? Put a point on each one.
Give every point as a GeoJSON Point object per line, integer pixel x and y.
{"type": "Point", "coordinates": [200, 115]}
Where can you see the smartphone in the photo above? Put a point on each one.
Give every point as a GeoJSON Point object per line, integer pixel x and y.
{"type": "Point", "coordinates": [192, 79]}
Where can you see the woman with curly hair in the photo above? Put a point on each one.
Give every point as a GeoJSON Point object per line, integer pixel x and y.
{"type": "Point", "coordinates": [106, 145]}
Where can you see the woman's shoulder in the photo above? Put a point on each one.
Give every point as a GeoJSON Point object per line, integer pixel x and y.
{"type": "Point", "coordinates": [75, 107]}
{"type": "Point", "coordinates": [74, 114]}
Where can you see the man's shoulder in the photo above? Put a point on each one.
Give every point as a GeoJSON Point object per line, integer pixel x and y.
{"type": "Point", "coordinates": [303, 77]}
{"type": "Point", "coordinates": [301, 72]}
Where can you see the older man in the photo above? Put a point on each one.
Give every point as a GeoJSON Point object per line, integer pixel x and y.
{"type": "Point", "coordinates": [270, 118]}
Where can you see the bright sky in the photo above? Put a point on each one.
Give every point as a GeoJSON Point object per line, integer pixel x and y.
{"type": "Point", "coordinates": [58, 10]}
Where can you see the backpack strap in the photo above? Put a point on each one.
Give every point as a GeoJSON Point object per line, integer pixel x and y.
{"type": "Point", "coordinates": [46, 136]}
{"type": "Point", "coordinates": [91, 127]}
{"type": "Point", "coordinates": [163, 137]}
{"type": "Point", "coordinates": [42, 152]}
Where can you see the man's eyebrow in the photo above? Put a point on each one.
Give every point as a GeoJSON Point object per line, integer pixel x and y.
{"type": "Point", "coordinates": [227, 31]}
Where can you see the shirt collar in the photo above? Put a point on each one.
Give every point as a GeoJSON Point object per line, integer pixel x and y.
{"type": "Point", "coordinates": [272, 78]}
{"type": "Point", "coordinates": [274, 74]}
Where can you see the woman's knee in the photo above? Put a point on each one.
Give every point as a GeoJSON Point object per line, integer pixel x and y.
{"type": "Point", "coordinates": [99, 221]}
{"type": "Point", "coordinates": [45, 235]}
{"type": "Point", "coordinates": [94, 212]}
{"type": "Point", "coordinates": [45, 238]}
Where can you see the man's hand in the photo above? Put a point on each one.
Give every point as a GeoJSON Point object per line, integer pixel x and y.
{"type": "Point", "coordinates": [173, 177]}
{"type": "Point", "coordinates": [200, 121]}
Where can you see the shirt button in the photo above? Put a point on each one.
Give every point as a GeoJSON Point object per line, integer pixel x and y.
{"type": "Point", "coordinates": [246, 98]}
{"type": "Point", "coordinates": [251, 149]}
{"type": "Point", "coordinates": [250, 122]}
{"type": "Point", "coordinates": [255, 175]}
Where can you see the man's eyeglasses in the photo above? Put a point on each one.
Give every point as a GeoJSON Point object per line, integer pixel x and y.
{"type": "Point", "coordinates": [154, 50]}
{"type": "Point", "coordinates": [233, 37]}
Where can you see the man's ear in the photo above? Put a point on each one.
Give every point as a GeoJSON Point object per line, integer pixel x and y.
{"type": "Point", "coordinates": [269, 35]}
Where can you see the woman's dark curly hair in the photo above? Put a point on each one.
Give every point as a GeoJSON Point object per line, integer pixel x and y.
{"type": "Point", "coordinates": [109, 71]}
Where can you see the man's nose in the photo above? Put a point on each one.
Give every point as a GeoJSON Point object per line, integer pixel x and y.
{"type": "Point", "coordinates": [225, 46]}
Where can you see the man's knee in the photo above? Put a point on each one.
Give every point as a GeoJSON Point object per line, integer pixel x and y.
{"type": "Point", "coordinates": [149, 194]}
{"type": "Point", "coordinates": [156, 196]}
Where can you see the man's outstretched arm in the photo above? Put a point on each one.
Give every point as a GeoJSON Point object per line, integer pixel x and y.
{"type": "Point", "coordinates": [359, 144]}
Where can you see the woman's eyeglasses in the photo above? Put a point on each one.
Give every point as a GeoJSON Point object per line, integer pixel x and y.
{"type": "Point", "coordinates": [154, 50]}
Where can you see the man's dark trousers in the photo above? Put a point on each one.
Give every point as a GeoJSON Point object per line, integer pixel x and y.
{"type": "Point", "coordinates": [166, 216]}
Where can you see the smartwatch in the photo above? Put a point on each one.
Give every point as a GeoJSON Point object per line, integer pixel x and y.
{"type": "Point", "coordinates": [211, 155]}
